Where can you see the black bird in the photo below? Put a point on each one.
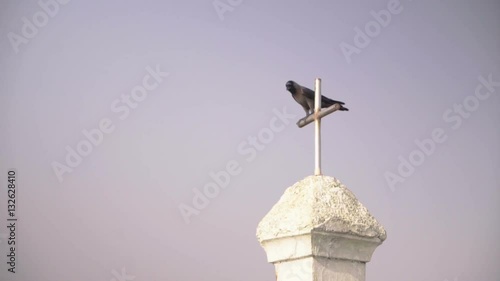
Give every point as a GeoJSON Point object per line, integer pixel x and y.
{"type": "Point", "coordinates": [305, 97]}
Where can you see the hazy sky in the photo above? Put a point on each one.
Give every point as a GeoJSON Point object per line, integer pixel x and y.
{"type": "Point", "coordinates": [117, 114]}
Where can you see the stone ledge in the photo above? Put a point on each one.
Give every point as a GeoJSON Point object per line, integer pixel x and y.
{"type": "Point", "coordinates": [320, 245]}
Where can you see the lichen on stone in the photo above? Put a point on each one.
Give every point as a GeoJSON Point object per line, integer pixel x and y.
{"type": "Point", "coordinates": [319, 203]}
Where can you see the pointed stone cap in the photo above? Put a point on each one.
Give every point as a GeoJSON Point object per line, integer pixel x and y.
{"type": "Point", "coordinates": [319, 203]}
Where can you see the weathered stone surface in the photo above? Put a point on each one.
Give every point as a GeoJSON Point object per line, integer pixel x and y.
{"type": "Point", "coordinates": [319, 231]}
{"type": "Point", "coordinates": [319, 203]}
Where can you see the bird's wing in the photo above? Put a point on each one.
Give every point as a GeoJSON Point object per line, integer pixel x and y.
{"type": "Point", "coordinates": [308, 93]}
{"type": "Point", "coordinates": [330, 101]}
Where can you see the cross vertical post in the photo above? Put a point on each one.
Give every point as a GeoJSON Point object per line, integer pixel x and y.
{"type": "Point", "coordinates": [317, 127]}
{"type": "Point", "coordinates": [315, 117]}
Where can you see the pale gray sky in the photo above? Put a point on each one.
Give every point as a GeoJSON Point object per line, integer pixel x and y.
{"type": "Point", "coordinates": [68, 69]}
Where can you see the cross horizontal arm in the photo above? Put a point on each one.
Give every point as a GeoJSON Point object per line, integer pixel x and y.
{"type": "Point", "coordinates": [310, 118]}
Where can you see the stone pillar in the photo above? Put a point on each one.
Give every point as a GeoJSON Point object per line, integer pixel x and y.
{"type": "Point", "coordinates": [319, 231]}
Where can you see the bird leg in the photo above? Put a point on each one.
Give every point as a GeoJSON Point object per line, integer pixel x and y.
{"type": "Point", "coordinates": [306, 110]}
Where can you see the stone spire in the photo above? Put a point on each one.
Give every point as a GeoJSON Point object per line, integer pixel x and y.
{"type": "Point", "coordinates": [318, 230]}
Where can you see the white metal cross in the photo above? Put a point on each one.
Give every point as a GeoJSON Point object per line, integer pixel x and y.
{"type": "Point", "coordinates": [316, 117]}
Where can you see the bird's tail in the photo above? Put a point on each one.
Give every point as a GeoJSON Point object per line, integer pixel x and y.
{"type": "Point", "coordinates": [342, 108]}
{"type": "Point", "coordinates": [327, 102]}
